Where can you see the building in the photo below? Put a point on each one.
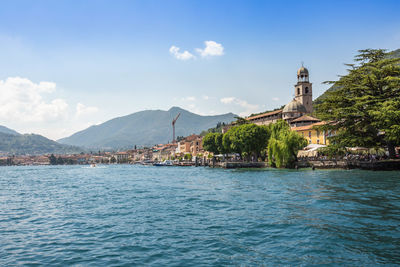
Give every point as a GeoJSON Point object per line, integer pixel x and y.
{"type": "Point", "coordinates": [301, 104]}
{"type": "Point", "coordinates": [121, 157]}
{"type": "Point", "coordinates": [312, 135]}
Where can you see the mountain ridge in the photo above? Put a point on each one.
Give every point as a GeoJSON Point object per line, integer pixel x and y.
{"type": "Point", "coordinates": [146, 127]}
{"type": "Point", "coordinates": [32, 144]}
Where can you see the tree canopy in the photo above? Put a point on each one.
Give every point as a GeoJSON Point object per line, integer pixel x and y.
{"type": "Point", "coordinates": [364, 110]}
{"type": "Point", "coordinates": [283, 145]}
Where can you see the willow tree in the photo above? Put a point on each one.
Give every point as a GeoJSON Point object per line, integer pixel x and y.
{"type": "Point", "coordinates": [364, 110]}
{"type": "Point", "coordinates": [283, 145]}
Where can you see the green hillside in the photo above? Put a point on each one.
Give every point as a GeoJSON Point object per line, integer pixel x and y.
{"type": "Point", "coordinates": [32, 144]}
{"type": "Point", "coordinates": [6, 130]}
{"type": "Point", "coordinates": [318, 100]}
{"type": "Point", "coordinates": [142, 128]}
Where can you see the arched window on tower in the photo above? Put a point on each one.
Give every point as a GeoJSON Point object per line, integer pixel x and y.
{"type": "Point", "coordinates": [298, 91]}
{"type": "Point", "coordinates": [306, 90]}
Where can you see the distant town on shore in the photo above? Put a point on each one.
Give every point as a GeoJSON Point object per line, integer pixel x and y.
{"type": "Point", "coordinates": [336, 128]}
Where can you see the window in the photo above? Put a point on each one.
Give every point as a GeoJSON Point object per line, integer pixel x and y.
{"type": "Point", "coordinates": [317, 141]}
{"type": "Point", "coordinates": [317, 133]}
{"type": "Point", "coordinates": [306, 90]}
{"type": "Point", "coordinates": [309, 134]}
{"type": "Point", "coordinates": [298, 91]}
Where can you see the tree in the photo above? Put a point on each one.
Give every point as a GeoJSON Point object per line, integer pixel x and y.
{"type": "Point", "coordinates": [246, 139]}
{"type": "Point", "coordinates": [60, 161]}
{"type": "Point", "coordinates": [283, 145]}
{"type": "Point", "coordinates": [188, 156]}
{"type": "Point", "coordinates": [210, 142]}
{"type": "Point", "coordinates": [53, 159]}
{"type": "Point", "coordinates": [364, 110]}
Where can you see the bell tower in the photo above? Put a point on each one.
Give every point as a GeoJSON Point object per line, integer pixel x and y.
{"type": "Point", "coordinates": [303, 89]}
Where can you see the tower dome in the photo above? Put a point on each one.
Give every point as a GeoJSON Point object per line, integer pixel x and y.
{"type": "Point", "coordinates": [302, 74]}
{"type": "Point", "coordinates": [294, 106]}
{"type": "Point", "coordinates": [293, 110]}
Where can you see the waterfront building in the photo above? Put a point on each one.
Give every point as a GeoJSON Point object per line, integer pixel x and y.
{"type": "Point", "coordinates": [313, 135]}
{"type": "Point", "coordinates": [298, 107]}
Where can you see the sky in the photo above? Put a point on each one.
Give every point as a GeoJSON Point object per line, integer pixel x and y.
{"type": "Point", "coordinates": [67, 65]}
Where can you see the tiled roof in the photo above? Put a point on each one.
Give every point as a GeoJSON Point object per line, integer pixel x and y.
{"type": "Point", "coordinates": [305, 118]}
{"type": "Point", "coordinates": [308, 127]}
{"type": "Point", "coordinates": [264, 115]}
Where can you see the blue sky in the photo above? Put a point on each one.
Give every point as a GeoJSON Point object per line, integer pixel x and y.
{"type": "Point", "coordinates": [101, 59]}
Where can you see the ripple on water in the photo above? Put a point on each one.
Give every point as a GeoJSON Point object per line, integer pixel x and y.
{"type": "Point", "coordinates": [135, 215]}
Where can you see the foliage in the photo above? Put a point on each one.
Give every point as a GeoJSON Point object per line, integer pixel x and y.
{"type": "Point", "coordinates": [210, 142]}
{"type": "Point", "coordinates": [188, 156]}
{"type": "Point", "coordinates": [217, 129]}
{"type": "Point", "coordinates": [332, 151]}
{"type": "Point", "coordinates": [246, 139]}
{"type": "Point", "coordinates": [53, 159]}
{"type": "Point", "coordinates": [283, 145]}
{"type": "Point", "coordinates": [365, 107]}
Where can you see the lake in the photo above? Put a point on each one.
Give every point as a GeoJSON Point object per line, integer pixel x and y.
{"type": "Point", "coordinates": [186, 216]}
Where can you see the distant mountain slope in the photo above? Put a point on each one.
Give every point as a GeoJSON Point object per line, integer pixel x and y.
{"type": "Point", "coordinates": [32, 144]}
{"type": "Point", "coordinates": [6, 130]}
{"type": "Point", "coordinates": [318, 100]}
{"type": "Point", "coordinates": [147, 127]}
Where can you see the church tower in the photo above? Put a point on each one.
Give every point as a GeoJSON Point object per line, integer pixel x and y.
{"type": "Point", "coordinates": [303, 89]}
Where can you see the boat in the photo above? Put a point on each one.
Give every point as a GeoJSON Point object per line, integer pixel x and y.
{"type": "Point", "coordinates": [93, 165]}
{"type": "Point", "coordinates": [164, 163]}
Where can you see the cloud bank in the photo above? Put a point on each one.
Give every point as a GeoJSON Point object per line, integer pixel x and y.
{"type": "Point", "coordinates": [22, 100]}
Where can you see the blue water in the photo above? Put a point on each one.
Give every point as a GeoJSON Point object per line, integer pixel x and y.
{"type": "Point", "coordinates": [187, 216]}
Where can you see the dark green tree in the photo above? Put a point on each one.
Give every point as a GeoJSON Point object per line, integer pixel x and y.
{"type": "Point", "coordinates": [60, 161]}
{"type": "Point", "coordinates": [364, 110]}
{"type": "Point", "coordinates": [53, 160]}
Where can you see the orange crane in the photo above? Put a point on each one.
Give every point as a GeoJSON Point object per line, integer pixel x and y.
{"type": "Point", "coordinates": [173, 127]}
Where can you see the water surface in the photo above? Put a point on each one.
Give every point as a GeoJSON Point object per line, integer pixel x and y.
{"type": "Point", "coordinates": [186, 216]}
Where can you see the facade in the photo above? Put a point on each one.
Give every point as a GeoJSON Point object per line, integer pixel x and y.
{"type": "Point", "coordinates": [298, 107]}
{"type": "Point", "coordinates": [312, 135]}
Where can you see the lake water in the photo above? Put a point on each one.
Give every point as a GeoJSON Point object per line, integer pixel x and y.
{"type": "Point", "coordinates": [137, 215]}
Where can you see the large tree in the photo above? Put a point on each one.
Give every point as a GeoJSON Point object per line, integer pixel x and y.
{"type": "Point", "coordinates": [364, 110]}
{"type": "Point", "coordinates": [247, 139]}
{"type": "Point", "coordinates": [210, 142]}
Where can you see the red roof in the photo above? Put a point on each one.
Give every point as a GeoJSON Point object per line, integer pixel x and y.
{"type": "Point", "coordinates": [264, 115]}
{"type": "Point", "coordinates": [308, 127]}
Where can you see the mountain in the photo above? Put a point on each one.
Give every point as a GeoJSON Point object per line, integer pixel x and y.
{"type": "Point", "coordinates": [147, 127]}
{"type": "Point", "coordinates": [32, 144]}
{"type": "Point", "coordinates": [318, 100]}
{"type": "Point", "coordinates": [6, 130]}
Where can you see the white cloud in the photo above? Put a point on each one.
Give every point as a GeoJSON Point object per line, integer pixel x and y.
{"type": "Point", "coordinates": [248, 108]}
{"type": "Point", "coordinates": [212, 49]}
{"type": "Point", "coordinates": [275, 98]}
{"type": "Point", "coordinates": [206, 97]}
{"type": "Point", "coordinates": [227, 100]}
{"type": "Point", "coordinates": [22, 100]}
{"type": "Point", "coordinates": [185, 55]}
{"type": "Point", "coordinates": [81, 109]}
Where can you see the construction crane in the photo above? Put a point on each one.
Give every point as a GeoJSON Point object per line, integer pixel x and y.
{"type": "Point", "coordinates": [173, 127]}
